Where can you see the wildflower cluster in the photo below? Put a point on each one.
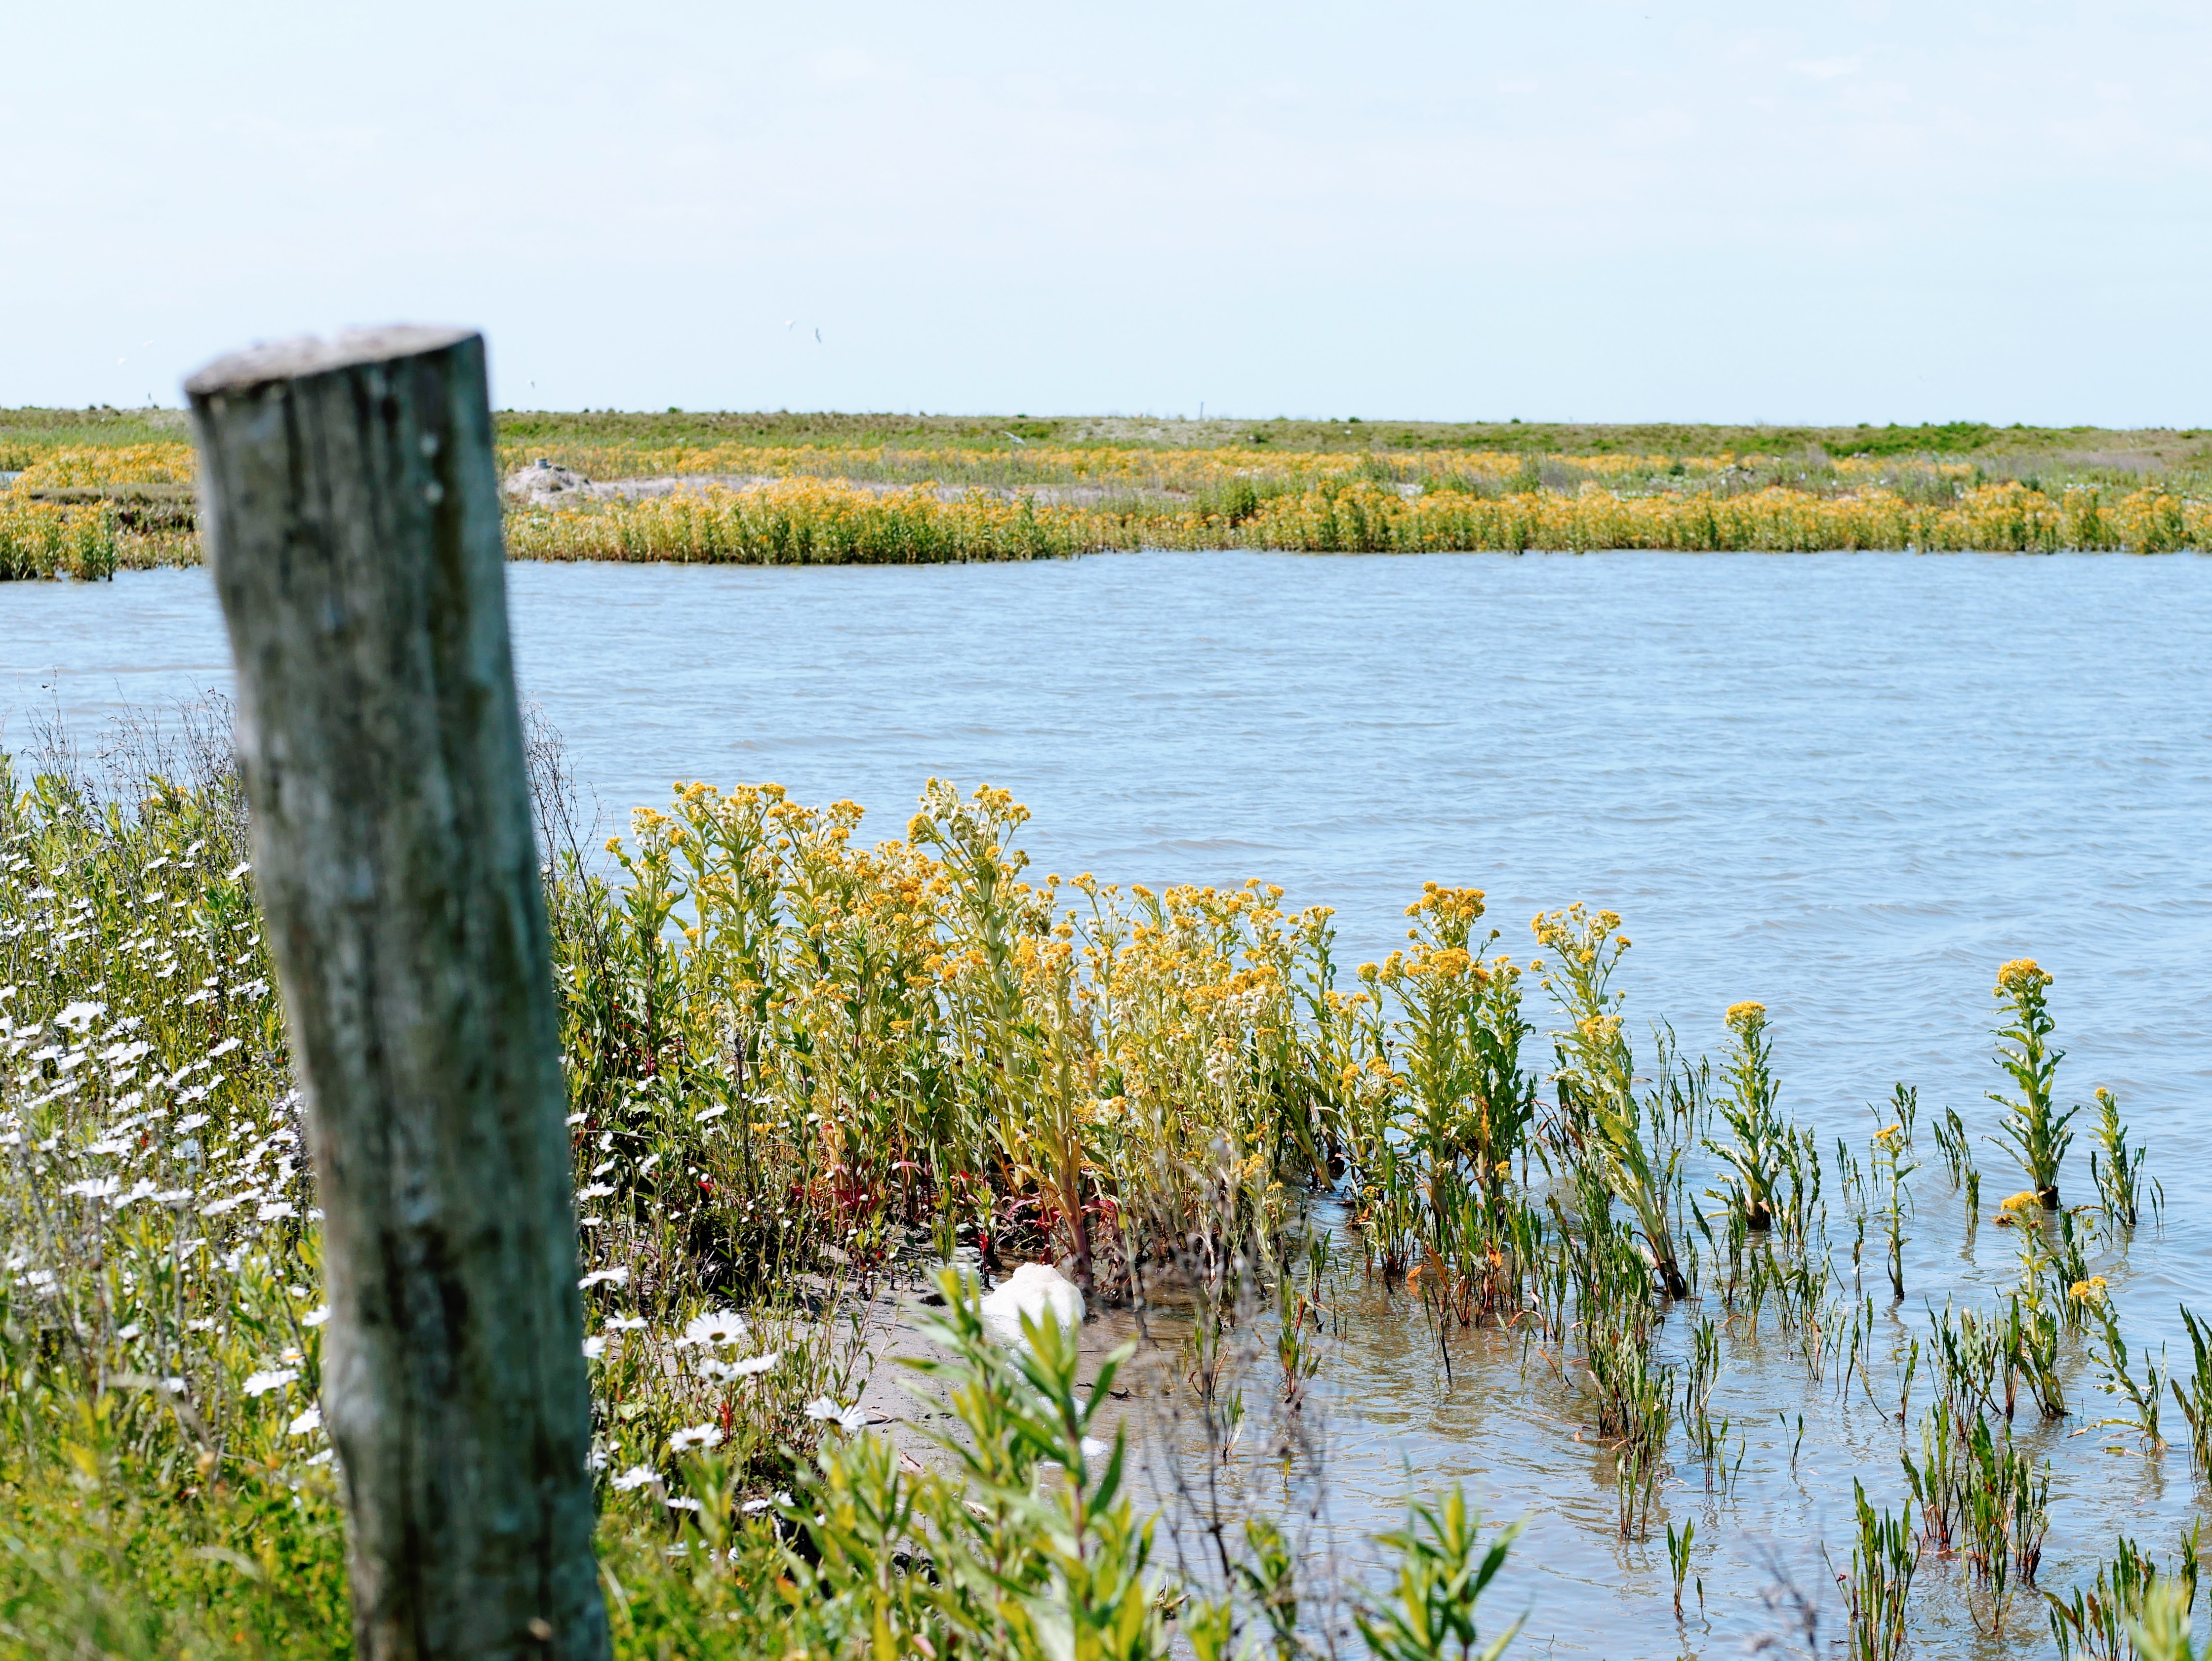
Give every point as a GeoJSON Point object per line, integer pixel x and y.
{"type": "Point", "coordinates": [848, 1045]}
{"type": "Point", "coordinates": [56, 539]}
{"type": "Point", "coordinates": [786, 1055]}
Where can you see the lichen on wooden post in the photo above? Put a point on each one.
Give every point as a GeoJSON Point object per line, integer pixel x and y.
{"type": "Point", "coordinates": [350, 502]}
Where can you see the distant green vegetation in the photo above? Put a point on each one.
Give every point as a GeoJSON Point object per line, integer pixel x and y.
{"type": "Point", "coordinates": [2144, 449]}
{"type": "Point", "coordinates": [25, 433]}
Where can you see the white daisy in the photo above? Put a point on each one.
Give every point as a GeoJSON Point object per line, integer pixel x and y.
{"type": "Point", "coordinates": [717, 1327]}
{"type": "Point", "coordinates": [848, 1419]}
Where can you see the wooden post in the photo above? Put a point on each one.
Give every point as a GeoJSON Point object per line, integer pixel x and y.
{"type": "Point", "coordinates": [350, 504]}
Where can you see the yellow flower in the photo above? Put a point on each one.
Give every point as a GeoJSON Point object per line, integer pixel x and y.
{"type": "Point", "coordinates": [1747, 1018]}
{"type": "Point", "coordinates": [2025, 1203]}
{"type": "Point", "coordinates": [2020, 976]}
{"type": "Point", "coordinates": [2091, 1290]}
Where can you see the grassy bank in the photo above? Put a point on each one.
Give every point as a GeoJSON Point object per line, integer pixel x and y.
{"type": "Point", "coordinates": [104, 491]}
{"type": "Point", "coordinates": [795, 1063]}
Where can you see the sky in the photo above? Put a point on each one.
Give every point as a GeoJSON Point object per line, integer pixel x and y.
{"type": "Point", "coordinates": [1470, 211]}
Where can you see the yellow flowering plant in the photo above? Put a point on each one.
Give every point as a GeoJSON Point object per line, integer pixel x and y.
{"type": "Point", "coordinates": [1595, 1077]}
{"type": "Point", "coordinates": [1755, 1154]}
{"type": "Point", "coordinates": [2035, 1128]}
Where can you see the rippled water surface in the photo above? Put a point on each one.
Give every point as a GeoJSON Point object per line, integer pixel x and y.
{"type": "Point", "coordinates": [1846, 785]}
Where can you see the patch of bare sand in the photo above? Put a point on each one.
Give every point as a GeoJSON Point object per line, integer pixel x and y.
{"type": "Point", "coordinates": [543, 485]}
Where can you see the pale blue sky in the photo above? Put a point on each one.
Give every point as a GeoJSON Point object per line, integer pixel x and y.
{"type": "Point", "coordinates": [1849, 212]}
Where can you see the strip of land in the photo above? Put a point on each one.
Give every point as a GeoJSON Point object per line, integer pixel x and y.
{"type": "Point", "coordinates": [88, 491]}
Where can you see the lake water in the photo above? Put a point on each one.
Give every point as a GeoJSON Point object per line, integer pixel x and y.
{"type": "Point", "coordinates": [1846, 785]}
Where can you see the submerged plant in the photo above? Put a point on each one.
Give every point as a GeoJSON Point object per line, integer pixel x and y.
{"type": "Point", "coordinates": [1951, 1143]}
{"type": "Point", "coordinates": [2109, 1349]}
{"type": "Point", "coordinates": [2118, 1174]}
{"type": "Point", "coordinates": [1888, 1148]}
{"type": "Point", "coordinates": [1678, 1557]}
{"type": "Point", "coordinates": [1879, 1587]}
{"type": "Point", "coordinates": [1939, 1483]}
{"type": "Point", "coordinates": [2034, 1125]}
{"type": "Point", "coordinates": [2098, 1623]}
{"type": "Point", "coordinates": [2197, 1403]}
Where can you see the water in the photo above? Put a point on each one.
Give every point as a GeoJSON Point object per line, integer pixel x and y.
{"type": "Point", "coordinates": [1848, 786]}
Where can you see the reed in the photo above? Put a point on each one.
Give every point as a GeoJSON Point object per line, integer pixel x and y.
{"type": "Point", "coordinates": [158, 1321]}
{"type": "Point", "coordinates": [159, 1317]}
{"type": "Point", "coordinates": [1268, 1576]}
{"type": "Point", "coordinates": [1951, 1143]}
{"type": "Point", "coordinates": [1459, 1045]}
{"type": "Point", "coordinates": [92, 468]}
{"type": "Point", "coordinates": [2006, 1512]}
{"type": "Point", "coordinates": [1708, 1438]}
{"type": "Point", "coordinates": [1359, 517]}
{"type": "Point", "coordinates": [1678, 1560]}
{"type": "Point", "coordinates": [2030, 1339]}
{"type": "Point", "coordinates": [812, 522]}
{"type": "Point", "coordinates": [2195, 1404]}
{"type": "Point", "coordinates": [2118, 1175]}
{"type": "Point", "coordinates": [1877, 1588]}
{"type": "Point", "coordinates": [1968, 1354]}
{"type": "Point", "coordinates": [1939, 1483]}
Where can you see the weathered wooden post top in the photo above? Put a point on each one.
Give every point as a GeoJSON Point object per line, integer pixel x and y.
{"type": "Point", "coordinates": [350, 501]}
